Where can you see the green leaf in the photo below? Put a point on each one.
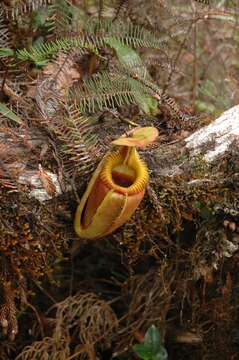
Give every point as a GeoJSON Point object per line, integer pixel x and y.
{"type": "Point", "coordinates": [147, 103]}
{"type": "Point", "coordinates": [161, 355]}
{"type": "Point", "coordinates": [205, 107]}
{"type": "Point", "coordinates": [39, 18]}
{"type": "Point", "coordinates": [41, 63]}
{"type": "Point", "coordinates": [5, 111]}
{"type": "Point", "coordinates": [127, 56]}
{"type": "Point", "coordinates": [203, 211]}
{"type": "Point", "coordinates": [4, 52]}
{"type": "Point", "coordinates": [152, 339]}
{"type": "Point", "coordinates": [143, 351]}
{"type": "Point", "coordinates": [131, 60]}
{"type": "Point", "coordinates": [152, 348]}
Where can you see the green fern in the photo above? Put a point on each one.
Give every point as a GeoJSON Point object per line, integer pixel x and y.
{"type": "Point", "coordinates": [43, 51]}
{"type": "Point", "coordinates": [126, 32]}
{"type": "Point", "coordinates": [61, 14]}
{"type": "Point", "coordinates": [105, 91]}
{"type": "Point", "coordinates": [130, 60]}
{"type": "Point", "coordinates": [92, 39]}
{"type": "Point", "coordinates": [136, 36]}
{"type": "Point", "coordinates": [158, 94]}
{"type": "Point", "coordinates": [130, 84]}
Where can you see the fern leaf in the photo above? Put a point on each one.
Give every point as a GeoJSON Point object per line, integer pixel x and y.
{"type": "Point", "coordinates": [205, 2]}
{"type": "Point", "coordinates": [80, 148]}
{"type": "Point", "coordinates": [104, 91]}
{"type": "Point", "coordinates": [8, 170]}
{"type": "Point", "coordinates": [25, 6]}
{"type": "Point", "coordinates": [102, 9]}
{"type": "Point", "coordinates": [124, 31]}
{"type": "Point", "coordinates": [44, 51]}
{"type": "Point", "coordinates": [135, 35]}
{"type": "Point", "coordinates": [158, 94]}
{"type": "Point", "coordinates": [129, 59]}
{"type": "Point", "coordinates": [61, 13]}
{"type": "Point", "coordinates": [93, 38]}
{"type": "Point", "coordinates": [119, 7]}
{"type": "Point", "coordinates": [5, 37]}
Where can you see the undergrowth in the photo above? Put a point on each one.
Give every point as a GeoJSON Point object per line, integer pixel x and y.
{"type": "Point", "coordinates": [75, 76]}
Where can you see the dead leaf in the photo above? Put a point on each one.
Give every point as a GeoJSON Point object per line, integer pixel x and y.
{"type": "Point", "coordinates": [47, 182]}
{"type": "Point", "coordinates": [141, 137]}
{"type": "Point", "coordinates": [64, 71]}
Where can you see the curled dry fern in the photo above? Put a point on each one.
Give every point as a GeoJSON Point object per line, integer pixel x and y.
{"type": "Point", "coordinates": [8, 312]}
{"type": "Point", "coordinates": [7, 171]}
{"type": "Point", "coordinates": [92, 319]}
{"type": "Point", "coordinates": [47, 348]}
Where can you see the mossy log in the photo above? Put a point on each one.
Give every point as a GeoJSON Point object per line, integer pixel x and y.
{"type": "Point", "coordinates": [207, 146]}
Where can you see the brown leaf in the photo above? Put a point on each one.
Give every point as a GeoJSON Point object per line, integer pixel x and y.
{"type": "Point", "coordinates": [141, 137]}
{"type": "Point", "coordinates": [64, 71]}
{"type": "Point", "coordinates": [47, 182]}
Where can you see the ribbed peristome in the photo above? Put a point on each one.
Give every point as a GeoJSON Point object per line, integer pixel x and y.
{"type": "Point", "coordinates": [134, 162]}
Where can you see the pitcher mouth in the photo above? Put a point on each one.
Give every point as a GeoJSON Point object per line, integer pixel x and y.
{"type": "Point", "coordinates": [126, 177]}
{"type": "Point", "coordinates": [123, 175]}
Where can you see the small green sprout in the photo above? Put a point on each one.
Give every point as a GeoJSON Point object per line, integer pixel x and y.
{"type": "Point", "coordinates": [152, 348]}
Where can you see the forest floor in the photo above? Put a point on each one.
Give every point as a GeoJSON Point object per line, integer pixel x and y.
{"type": "Point", "coordinates": [164, 285]}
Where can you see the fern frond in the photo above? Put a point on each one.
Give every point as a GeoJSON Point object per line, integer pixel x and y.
{"type": "Point", "coordinates": [135, 35]}
{"type": "Point", "coordinates": [124, 31]}
{"type": "Point", "coordinates": [46, 50]}
{"type": "Point", "coordinates": [205, 2]}
{"type": "Point", "coordinates": [41, 349]}
{"type": "Point", "coordinates": [5, 37]}
{"type": "Point", "coordinates": [80, 148]}
{"type": "Point", "coordinates": [61, 13]}
{"type": "Point", "coordinates": [173, 106]}
{"type": "Point", "coordinates": [8, 170]}
{"type": "Point", "coordinates": [119, 7]}
{"type": "Point", "coordinates": [25, 6]}
{"type": "Point", "coordinates": [104, 91]}
{"type": "Point", "coordinates": [158, 94]}
{"type": "Point", "coordinates": [102, 8]}
{"type": "Point", "coordinates": [93, 38]}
